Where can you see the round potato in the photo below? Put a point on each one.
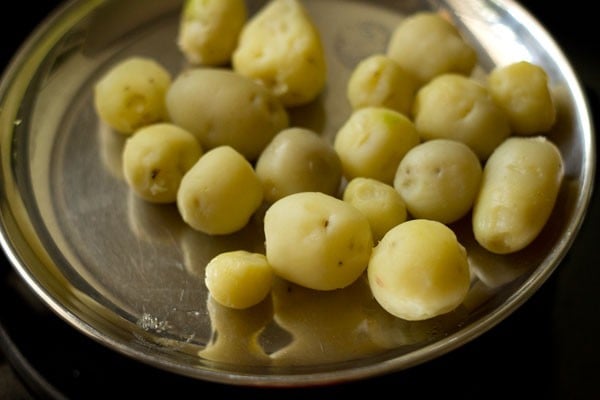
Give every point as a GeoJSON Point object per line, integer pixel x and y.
{"type": "Point", "coordinates": [522, 90]}
{"type": "Point", "coordinates": [372, 142]}
{"type": "Point", "coordinates": [219, 194]}
{"type": "Point", "coordinates": [427, 44]}
{"type": "Point", "coordinates": [419, 270]}
{"type": "Point", "coordinates": [519, 188]}
{"type": "Point", "coordinates": [380, 202]}
{"type": "Point", "coordinates": [317, 241]}
{"type": "Point", "coordinates": [457, 107]}
{"type": "Point", "coordinates": [132, 94]}
{"type": "Point", "coordinates": [439, 180]}
{"type": "Point", "coordinates": [156, 157]}
{"type": "Point", "coordinates": [380, 82]}
{"type": "Point", "coordinates": [298, 160]}
{"type": "Point", "coordinates": [239, 279]}
{"type": "Point", "coordinates": [223, 108]}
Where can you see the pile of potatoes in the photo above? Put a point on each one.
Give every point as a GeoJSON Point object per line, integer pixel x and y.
{"type": "Point", "coordinates": [425, 145]}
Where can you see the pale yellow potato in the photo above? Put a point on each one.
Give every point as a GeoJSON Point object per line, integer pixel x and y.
{"type": "Point", "coordinates": [439, 180]}
{"type": "Point", "coordinates": [317, 241]}
{"type": "Point", "coordinates": [380, 202]}
{"type": "Point", "coordinates": [419, 270]}
{"type": "Point", "coordinates": [519, 188]}
{"type": "Point", "coordinates": [379, 81]}
{"type": "Point", "coordinates": [220, 193]}
{"type": "Point", "coordinates": [223, 108]}
{"type": "Point", "coordinates": [282, 47]}
{"type": "Point", "coordinates": [372, 142]}
{"type": "Point", "coordinates": [239, 279]}
{"type": "Point", "coordinates": [156, 157]}
{"type": "Point", "coordinates": [209, 29]}
{"type": "Point", "coordinates": [457, 107]}
{"type": "Point", "coordinates": [427, 45]}
{"type": "Point", "coordinates": [298, 160]}
{"type": "Point", "coordinates": [131, 94]}
{"type": "Point", "coordinates": [523, 92]}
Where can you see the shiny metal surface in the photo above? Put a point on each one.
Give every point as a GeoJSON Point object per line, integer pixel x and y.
{"type": "Point", "coordinates": [129, 274]}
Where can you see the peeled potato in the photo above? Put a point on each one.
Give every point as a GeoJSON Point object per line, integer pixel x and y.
{"type": "Point", "coordinates": [316, 240]}
{"type": "Point", "coordinates": [281, 47]}
{"type": "Point", "coordinates": [419, 270]}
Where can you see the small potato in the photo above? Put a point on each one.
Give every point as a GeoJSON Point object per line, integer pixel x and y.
{"type": "Point", "coordinates": [132, 94]}
{"type": "Point", "coordinates": [372, 142]}
{"type": "Point", "coordinates": [439, 180]}
{"type": "Point", "coordinates": [427, 45]}
{"type": "Point", "coordinates": [156, 157]}
{"type": "Point", "coordinates": [457, 107]}
{"type": "Point", "coordinates": [317, 241]}
{"type": "Point", "coordinates": [380, 202]}
{"type": "Point", "coordinates": [219, 194]}
{"type": "Point", "coordinates": [419, 270]}
{"type": "Point", "coordinates": [521, 89]}
{"type": "Point", "coordinates": [239, 279]}
{"type": "Point", "coordinates": [223, 108]}
{"type": "Point", "coordinates": [281, 47]}
{"type": "Point", "coordinates": [209, 30]}
{"type": "Point", "coordinates": [379, 81]}
{"type": "Point", "coordinates": [519, 187]}
{"type": "Point", "coordinates": [298, 160]}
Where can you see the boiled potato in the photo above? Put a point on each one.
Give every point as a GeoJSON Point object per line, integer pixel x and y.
{"type": "Point", "coordinates": [239, 279]}
{"type": "Point", "coordinates": [419, 270]}
{"type": "Point", "coordinates": [457, 107]}
{"type": "Point", "coordinates": [219, 194]}
{"type": "Point", "coordinates": [156, 157]}
{"type": "Point", "coordinates": [298, 160]}
{"type": "Point", "coordinates": [131, 94]}
{"type": "Point", "coordinates": [522, 90]}
{"type": "Point", "coordinates": [372, 142]}
{"type": "Point", "coordinates": [281, 47]}
{"type": "Point", "coordinates": [380, 202]}
{"type": "Point", "coordinates": [316, 240]}
{"type": "Point", "coordinates": [520, 184]}
{"type": "Point", "coordinates": [427, 45]}
{"type": "Point", "coordinates": [379, 81]}
{"type": "Point", "coordinates": [209, 30]}
{"type": "Point", "coordinates": [439, 180]}
{"type": "Point", "coordinates": [223, 108]}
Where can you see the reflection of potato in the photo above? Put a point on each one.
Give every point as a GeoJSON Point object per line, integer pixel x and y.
{"type": "Point", "coordinates": [281, 47]}
{"type": "Point", "coordinates": [221, 107]}
{"type": "Point", "coordinates": [427, 45]}
{"type": "Point", "coordinates": [439, 180]}
{"type": "Point", "coordinates": [457, 107]}
{"type": "Point", "coordinates": [519, 187]}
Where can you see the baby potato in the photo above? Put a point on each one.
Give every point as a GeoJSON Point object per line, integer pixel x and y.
{"type": "Point", "coordinates": [379, 81]}
{"type": "Point", "coordinates": [316, 240]}
{"type": "Point", "coordinates": [223, 108]}
{"type": "Point", "coordinates": [298, 160]}
{"type": "Point", "coordinates": [380, 202]}
{"type": "Point", "coordinates": [156, 157]}
{"type": "Point", "coordinates": [281, 47]}
{"type": "Point", "coordinates": [209, 30]}
{"type": "Point", "coordinates": [419, 270]}
{"type": "Point", "coordinates": [239, 279]}
{"type": "Point", "coordinates": [457, 107]}
{"type": "Point", "coordinates": [519, 187]}
{"type": "Point", "coordinates": [372, 142]}
{"type": "Point", "coordinates": [132, 94]}
{"type": "Point", "coordinates": [439, 180]}
{"type": "Point", "coordinates": [219, 194]}
{"type": "Point", "coordinates": [427, 45]}
{"type": "Point", "coordinates": [521, 89]}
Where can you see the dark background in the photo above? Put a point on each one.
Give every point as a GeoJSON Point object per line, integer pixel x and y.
{"type": "Point", "coordinates": [547, 349]}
